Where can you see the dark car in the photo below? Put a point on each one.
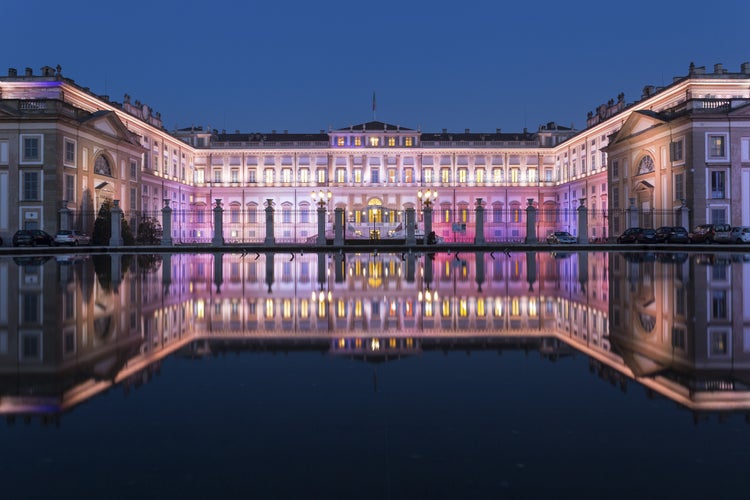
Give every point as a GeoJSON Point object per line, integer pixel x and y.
{"type": "Point", "coordinates": [630, 235]}
{"type": "Point", "coordinates": [647, 235]}
{"type": "Point", "coordinates": [672, 234]}
{"type": "Point", "coordinates": [32, 237]}
{"type": "Point", "coordinates": [561, 237]}
{"type": "Point", "coordinates": [703, 233]}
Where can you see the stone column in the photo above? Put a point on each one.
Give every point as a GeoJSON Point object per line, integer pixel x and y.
{"type": "Point", "coordinates": [166, 224]}
{"type": "Point", "coordinates": [479, 231]}
{"type": "Point", "coordinates": [270, 238]}
{"type": "Point", "coordinates": [583, 222]}
{"type": "Point", "coordinates": [218, 239]}
{"type": "Point", "coordinates": [530, 222]}
{"type": "Point", "coordinates": [632, 214]}
{"type": "Point", "coordinates": [427, 221]}
{"type": "Point", "coordinates": [321, 224]}
{"type": "Point", "coordinates": [64, 213]}
{"type": "Point", "coordinates": [411, 226]}
{"type": "Point", "coordinates": [115, 215]}
{"type": "Point", "coordinates": [338, 226]}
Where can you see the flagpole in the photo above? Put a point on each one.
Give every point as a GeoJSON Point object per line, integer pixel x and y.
{"type": "Point", "coordinates": [374, 106]}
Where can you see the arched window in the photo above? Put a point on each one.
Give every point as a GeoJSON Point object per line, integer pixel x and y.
{"type": "Point", "coordinates": [102, 167]}
{"type": "Point", "coordinates": [646, 165]}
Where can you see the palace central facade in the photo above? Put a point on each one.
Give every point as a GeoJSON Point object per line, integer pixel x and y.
{"type": "Point", "coordinates": [680, 155]}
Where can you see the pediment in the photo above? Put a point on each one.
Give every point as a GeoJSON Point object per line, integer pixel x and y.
{"type": "Point", "coordinates": [637, 123]}
{"type": "Point", "coordinates": [107, 123]}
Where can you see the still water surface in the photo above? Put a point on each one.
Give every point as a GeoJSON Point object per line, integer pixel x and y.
{"type": "Point", "coordinates": [375, 376]}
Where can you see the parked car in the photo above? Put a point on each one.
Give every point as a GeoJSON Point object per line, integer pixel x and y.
{"type": "Point", "coordinates": [740, 234]}
{"type": "Point", "coordinates": [32, 237]}
{"type": "Point", "coordinates": [703, 233]}
{"type": "Point", "coordinates": [630, 235]}
{"type": "Point", "coordinates": [722, 233]}
{"type": "Point", "coordinates": [561, 237]}
{"type": "Point", "coordinates": [672, 234]}
{"type": "Point", "coordinates": [647, 235]}
{"type": "Point", "coordinates": [71, 237]}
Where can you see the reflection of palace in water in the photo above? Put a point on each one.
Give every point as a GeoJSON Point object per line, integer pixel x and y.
{"type": "Point", "coordinates": [75, 328]}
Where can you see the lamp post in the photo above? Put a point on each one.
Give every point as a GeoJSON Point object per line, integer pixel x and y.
{"type": "Point", "coordinates": [322, 198]}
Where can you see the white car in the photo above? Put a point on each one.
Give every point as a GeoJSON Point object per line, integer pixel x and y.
{"type": "Point", "coordinates": [71, 237]}
{"type": "Point", "coordinates": [740, 234]}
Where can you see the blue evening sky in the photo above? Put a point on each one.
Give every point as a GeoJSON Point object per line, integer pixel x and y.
{"type": "Point", "coordinates": [304, 66]}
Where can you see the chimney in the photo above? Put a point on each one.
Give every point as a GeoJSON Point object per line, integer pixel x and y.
{"type": "Point", "coordinates": [14, 71]}
{"type": "Point", "coordinates": [29, 72]}
{"type": "Point", "coordinates": [745, 68]}
{"type": "Point", "coordinates": [717, 68]}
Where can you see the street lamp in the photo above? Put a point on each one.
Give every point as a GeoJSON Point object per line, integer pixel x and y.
{"type": "Point", "coordinates": [427, 197]}
{"type": "Point", "coordinates": [322, 197]}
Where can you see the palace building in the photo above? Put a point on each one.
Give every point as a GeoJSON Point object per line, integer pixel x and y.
{"type": "Point", "coordinates": [679, 155]}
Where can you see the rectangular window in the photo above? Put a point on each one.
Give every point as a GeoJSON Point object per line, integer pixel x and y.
{"type": "Point", "coordinates": [30, 188]}
{"type": "Point", "coordinates": [286, 175]}
{"type": "Point", "coordinates": [268, 176]}
{"type": "Point", "coordinates": [340, 141]}
{"type": "Point", "coordinates": [547, 175]}
{"type": "Point", "coordinates": [69, 188]}
{"type": "Point", "coordinates": [427, 176]}
{"type": "Point", "coordinates": [445, 175]}
{"type": "Point", "coordinates": [133, 169]}
{"type": "Point", "coordinates": [479, 175]}
{"type": "Point", "coordinates": [716, 147]}
{"type": "Point", "coordinates": [531, 174]}
{"type": "Point", "coordinates": [374, 142]}
{"type": "Point", "coordinates": [408, 175]}
{"type": "Point", "coordinates": [70, 152]}
{"type": "Point", "coordinates": [497, 175]}
{"type": "Point", "coordinates": [374, 175]}
{"type": "Point", "coordinates": [408, 142]}
{"type": "Point", "coordinates": [234, 175]}
{"type": "Point", "coordinates": [391, 141]}
{"type": "Point", "coordinates": [718, 216]}
{"type": "Point", "coordinates": [615, 168]}
{"type": "Point", "coordinates": [304, 175]}
{"type": "Point", "coordinates": [341, 175]}
{"type": "Point", "coordinates": [718, 343]}
{"type": "Point", "coordinates": [583, 165]}
{"type": "Point", "coordinates": [392, 175]}
{"type": "Point", "coordinates": [677, 150]}
{"type": "Point", "coordinates": [717, 184]}
{"type": "Point", "coordinates": [133, 200]}
{"type": "Point", "coordinates": [3, 152]}
{"type": "Point", "coordinates": [358, 175]}
{"type": "Point", "coordinates": [357, 141]}
{"type": "Point", "coordinates": [217, 175]}
{"type": "Point", "coordinates": [463, 175]}
{"type": "Point", "coordinates": [31, 149]}
{"type": "Point", "coordinates": [679, 186]}
{"type": "Point", "coordinates": [514, 174]}
{"type": "Point", "coordinates": [321, 173]}
{"type": "Point", "coordinates": [251, 176]}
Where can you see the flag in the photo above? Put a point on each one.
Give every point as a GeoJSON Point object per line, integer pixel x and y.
{"type": "Point", "coordinates": [373, 101]}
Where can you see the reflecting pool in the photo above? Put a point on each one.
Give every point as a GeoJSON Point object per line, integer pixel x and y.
{"type": "Point", "coordinates": [375, 375]}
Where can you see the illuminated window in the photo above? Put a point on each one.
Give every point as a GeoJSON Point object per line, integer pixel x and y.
{"type": "Point", "coordinates": [445, 175]}
{"type": "Point", "coordinates": [427, 175]}
{"type": "Point", "coordinates": [269, 309]}
{"type": "Point", "coordinates": [479, 175]}
{"type": "Point", "coordinates": [358, 175]}
{"type": "Point", "coordinates": [392, 175]}
{"type": "Point", "coordinates": [446, 308]}
{"type": "Point", "coordinates": [391, 141]}
{"type": "Point", "coordinates": [463, 308]}
{"type": "Point", "coordinates": [514, 174]}
{"type": "Point", "coordinates": [480, 307]}
{"type": "Point", "coordinates": [409, 175]}
{"type": "Point", "coordinates": [268, 176]}
{"type": "Point", "coordinates": [304, 175]}
{"type": "Point", "coordinates": [408, 142]}
{"type": "Point", "coordinates": [531, 173]}
{"type": "Point", "coordinates": [321, 173]}
{"type": "Point", "coordinates": [357, 141]}
{"type": "Point", "coordinates": [497, 175]}
{"type": "Point", "coordinates": [716, 147]}
{"type": "Point", "coordinates": [340, 141]}
{"type": "Point", "coordinates": [340, 175]}
{"type": "Point", "coordinates": [374, 141]}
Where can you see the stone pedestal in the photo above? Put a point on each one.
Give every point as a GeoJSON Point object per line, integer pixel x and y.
{"type": "Point", "coordinates": [338, 226]}
{"type": "Point", "coordinates": [411, 226]}
{"type": "Point", "coordinates": [583, 223]}
{"type": "Point", "coordinates": [166, 224]}
{"type": "Point", "coordinates": [270, 238]}
{"type": "Point", "coordinates": [427, 222]}
{"type": "Point", "coordinates": [531, 222]}
{"type": "Point", "coordinates": [321, 225]}
{"type": "Point", "coordinates": [115, 214]}
{"type": "Point", "coordinates": [218, 239]}
{"type": "Point", "coordinates": [479, 231]}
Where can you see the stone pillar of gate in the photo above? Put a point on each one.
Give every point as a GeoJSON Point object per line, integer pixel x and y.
{"type": "Point", "coordinates": [411, 226]}
{"type": "Point", "coordinates": [684, 215]}
{"type": "Point", "coordinates": [218, 239]}
{"type": "Point", "coordinates": [218, 271]}
{"type": "Point", "coordinates": [632, 214]}
{"type": "Point", "coordinates": [479, 232]}
{"type": "Point", "coordinates": [270, 238]}
{"type": "Point", "coordinates": [583, 222]}
{"type": "Point", "coordinates": [64, 213]}
{"type": "Point", "coordinates": [321, 224]}
{"type": "Point", "coordinates": [530, 222]}
{"type": "Point", "coordinates": [115, 215]}
{"type": "Point", "coordinates": [427, 221]}
{"type": "Point", "coordinates": [166, 224]}
{"type": "Point", "coordinates": [338, 226]}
